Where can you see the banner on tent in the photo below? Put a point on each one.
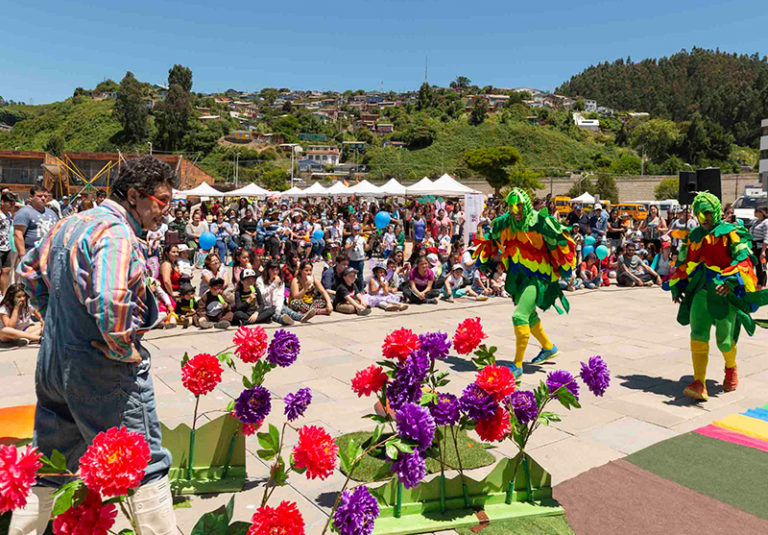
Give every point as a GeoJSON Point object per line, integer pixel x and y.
{"type": "Point", "coordinates": [473, 207]}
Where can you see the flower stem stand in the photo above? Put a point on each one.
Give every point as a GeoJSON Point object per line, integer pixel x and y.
{"type": "Point", "coordinates": [420, 509]}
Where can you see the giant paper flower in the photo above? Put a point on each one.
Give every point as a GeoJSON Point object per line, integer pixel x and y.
{"type": "Point", "coordinates": [316, 451]}
{"type": "Point", "coordinates": [406, 388]}
{"type": "Point", "coordinates": [468, 336]}
{"type": "Point", "coordinates": [285, 519]}
{"type": "Point", "coordinates": [17, 474]}
{"type": "Point", "coordinates": [562, 378]}
{"type": "Point", "coordinates": [524, 406]}
{"type": "Point", "coordinates": [495, 428]}
{"type": "Point", "coordinates": [369, 381]}
{"type": "Point", "coordinates": [89, 518]}
{"type": "Point", "coordinates": [201, 374]}
{"type": "Point", "coordinates": [410, 468]}
{"type": "Point", "coordinates": [283, 349]}
{"type": "Point", "coordinates": [356, 513]}
{"type": "Point", "coordinates": [247, 430]}
{"type": "Point", "coordinates": [399, 344]}
{"type": "Point", "coordinates": [595, 375]}
{"type": "Point", "coordinates": [496, 380]}
{"type": "Point", "coordinates": [251, 343]}
{"type": "Point", "coordinates": [297, 403]}
{"type": "Point", "coordinates": [415, 423]}
{"type": "Point", "coordinates": [446, 410]}
{"type": "Point", "coordinates": [477, 403]}
{"type": "Point", "coordinates": [436, 344]}
{"type": "Point", "coordinates": [115, 461]}
{"type": "Point", "coordinates": [253, 405]}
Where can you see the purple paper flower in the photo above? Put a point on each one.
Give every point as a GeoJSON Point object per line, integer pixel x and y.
{"type": "Point", "coordinates": [477, 403]}
{"type": "Point", "coordinates": [410, 468]}
{"type": "Point", "coordinates": [296, 404]}
{"type": "Point", "coordinates": [283, 349]}
{"type": "Point", "coordinates": [446, 411]}
{"type": "Point", "coordinates": [356, 513]}
{"type": "Point", "coordinates": [414, 422]}
{"type": "Point", "coordinates": [524, 404]}
{"type": "Point", "coordinates": [406, 387]}
{"type": "Point", "coordinates": [253, 405]}
{"type": "Point", "coordinates": [559, 378]}
{"type": "Point", "coordinates": [436, 344]}
{"type": "Point", "coordinates": [596, 375]}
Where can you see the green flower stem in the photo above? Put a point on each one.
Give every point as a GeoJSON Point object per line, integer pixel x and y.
{"type": "Point", "coordinates": [399, 499]}
{"type": "Point", "coordinates": [464, 488]}
{"type": "Point", "coordinates": [192, 440]}
{"type": "Point", "coordinates": [442, 474]}
{"type": "Point", "coordinates": [527, 473]}
{"type": "Point", "coordinates": [230, 451]}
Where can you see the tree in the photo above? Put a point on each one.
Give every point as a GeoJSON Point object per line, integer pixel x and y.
{"type": "Point", "coordinates": [175, 112]}
{"type": "Point", "coordinates": [426, 98]}
{"type": "Point", "coordinates": [668, 188]}
{"type": "Point", "coordinates": [492, 164]}
{"type": "Point", "coordinates": [605, 187]}
{"type": "Point", "coordinates": [524, 178]}
{"type": "Point", "coordinates": [461, 83]}
{"type": "Point", "coordinates": [479, 111]}
{"type": "Point", "coordinates": [106, 86]}
{"type": "Point", "coordinates": [581, 186]}
{"type": "Point", "coordinates": [420, 134]}
{"type": "Point", "coordinates": [656, 138]}
{"type": "Point", "coordinates": [54, 145]}
{"type": "Point", "coordinates": [130, 110]}
{"type": "Point", "coordinates": [180, 75]}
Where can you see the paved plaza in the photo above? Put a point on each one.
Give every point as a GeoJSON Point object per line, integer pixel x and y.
{"type": "Point", "coordinates": [633, 329]}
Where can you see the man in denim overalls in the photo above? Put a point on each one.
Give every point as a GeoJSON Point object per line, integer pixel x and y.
{"type": "Point", "coordinates": [87, 278]}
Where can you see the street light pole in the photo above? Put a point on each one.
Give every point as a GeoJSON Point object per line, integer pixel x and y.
{"type": "Point", "coordinates": [150, 147]}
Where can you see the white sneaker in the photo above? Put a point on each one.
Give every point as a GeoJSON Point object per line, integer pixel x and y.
{"type": "Point", "coordinates": [285, 319]}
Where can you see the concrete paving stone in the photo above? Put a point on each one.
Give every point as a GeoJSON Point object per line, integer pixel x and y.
{"type": "Point", "coordinates": [9, 369]}
{"type": "Point", "coordinates": [559, 458]}
{"type": "Point", "coordinates": [628, 434]}
{"type": "Point", "coordinates": [579, 420]}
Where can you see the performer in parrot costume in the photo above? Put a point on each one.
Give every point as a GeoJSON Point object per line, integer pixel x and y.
{"type": "Point", "coordinates": [715, 283]}
{"type": "Point", "coordinates": [537, 251]}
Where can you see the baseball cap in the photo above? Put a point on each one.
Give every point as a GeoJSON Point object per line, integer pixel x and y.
{"type": "Point", "coordinates": [433, 259]}
{"type": "Point", "coordinates": [665, 244]}
{"type": "Point", "coordinates": [349, 270]}
{"type": "Point", "coordinates": [183, 247]}
{"type": "Point", "coordinates": [247, 272]}
{"type": "Point", "coordinates": [598, 206]}
{"type": "Point", "coordinates": [457, 267]}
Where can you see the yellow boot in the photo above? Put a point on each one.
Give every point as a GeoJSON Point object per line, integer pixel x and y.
{"type": "Point", "coordinates": [548, 349]}
{"type": "Point", "coordinates": [699, 356]}
{"type": "Point", "coordinates": [522, 334]}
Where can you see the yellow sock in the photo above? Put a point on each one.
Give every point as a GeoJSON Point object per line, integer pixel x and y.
{"type": "Point", "coordinates": [730, 357]}
{"type": "Point", "coordinates": [700, 357]}
{"type": "Point", "coordinates": [522, 334]}
{"type": "Point", "coordinates": [538, 332]}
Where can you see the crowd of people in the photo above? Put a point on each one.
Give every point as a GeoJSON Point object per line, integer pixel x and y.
{"type": "Point", "coordinates": [287, 260]}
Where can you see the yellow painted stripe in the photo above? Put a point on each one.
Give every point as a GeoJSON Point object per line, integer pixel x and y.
{"type": "Point", "coordinates": [745, 425]}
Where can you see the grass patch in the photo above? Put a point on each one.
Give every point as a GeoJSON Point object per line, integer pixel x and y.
{"type": "Point", "coordinates": [474, 454]}
{"type": "Point", "coordinates": [537, 525]}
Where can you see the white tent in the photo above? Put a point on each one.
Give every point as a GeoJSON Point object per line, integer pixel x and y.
{"type": "Point", "coordinates": [450, 187]}
{"type": "Point", "coordinates": [315, 190]}
{"type": "Point", "coordinates": [393, 187]}
{"type": "Point", "coordinates": [203, 190]}
{"type": "Point", "coordinates": [249, 190]}
{"type": "Point", "coordinates": [584, 198]}
{"type": "Point", "coordinates": [365, 189]}
{"type": "Point", "coordinates": [422, 187]}
{"type": "Point", "coordinates": [338, 189]}
{"type": "Point", "coordinates": [293, 192]}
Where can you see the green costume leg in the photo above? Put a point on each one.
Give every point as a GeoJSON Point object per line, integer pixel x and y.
{"type": "Point", "coordinates": [526, 308]}
{"type": "Point", "coordinates": [701, 325]}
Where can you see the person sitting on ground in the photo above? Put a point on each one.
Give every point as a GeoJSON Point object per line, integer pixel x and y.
{"type": "Point", "coordinates": [242, 262]}
{"type": "Point", "coordinates": [213, 309]}
{"type": "Point", "coordinates": [308, 296]}
{"type": "Point", "coordinates": [480, 285]}
{"type": "Point", "coordinates": [165, 305]}
{"type": "Point", "coordinates": [499, 280]}
{"type": "Point", "coordinates": [332, 274]}
{"type": "Point", "coordinates": [379, 293]}
{"type": "Point", "coordinates": [170, 274]}
{"type": "Point", "coordinates": [196, 228]}
{"type": "Point", "coordinates": [632, 271]}
{"type": "Point", "coordinates": [663, 263]}
{"type": "Point", "coordinates": [185, 264]}
{"type": "Point", "coordinates": [437, 269]}
{"type": "Point", "coordinates": [420, 282]}
{"type": "Point", "coordinates": [291, 267]}
{"type": "Point", "coordinates": [589, 272]}
{"type": "Point", "coordinates": [390, 241]}
{"type": "Point", "coordinates": [347, 299]}
{"type": "Point", "coordinates": [250, 305]}
{"type": "Point", "coordinates": [17, 317]}
{"type": "Point", "coordinates": [272, 288]}
{"type": "Point", "coordinates": [185, 309]}
{"type": "Point", "coordinates": [212, 270]}
{"type": "Point", "coordinates": [454, 285]}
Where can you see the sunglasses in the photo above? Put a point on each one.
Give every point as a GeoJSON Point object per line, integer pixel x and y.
{"type": "Point", "coordinates": [162, 204]}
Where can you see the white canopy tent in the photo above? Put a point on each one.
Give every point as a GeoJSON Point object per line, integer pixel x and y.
{"type": "Point", "coordinates": [315, 190]}
{"type": "Point", "coordinates": [393, 187]}
{"type": "Point", "coordinates": [249, 190]}
{"type": "Point", "coordinates": [422, 187]}
{"type": "Point", "coordinates": [365, 189]}
{"type": "Point", "coordinates": [338, 189]}
{"type": "Point", "coordinates": [584, 198]}
{"type": "Point", "coordinates": [203, 190]}
{"type": "Point", "coordinates": [450, 187]}
{"type": "Point", "coordinates": [293, 192]}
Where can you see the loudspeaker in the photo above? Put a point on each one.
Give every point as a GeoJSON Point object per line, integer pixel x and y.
{"type": "Point", "coordinates": [709, 180]}
{"type": "Point", "coordinates": [691, 183]}
{"type": "Point", "coordinates": [687, 187]}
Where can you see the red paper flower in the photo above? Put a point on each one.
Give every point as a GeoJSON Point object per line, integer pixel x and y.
{"type": "Point", "coordinates": [201, 374]}
{"type": "Point", "coordinates": [115, 461]}
{"type": "Point", "coordinates": [247, 429]}
{"type": "Point", "coordinates": [495, 428]}
{"type": "Point", "coordinates": [89, 518]}
{"type": "Point", "coordinates": [468, 336]}
{"type": "Point", "coordinates": [251, 343]}
{"type": "Point", "coordinates": [400, 343]}
{"type": "Point", "coordinates": [316, 451]}
{"type": "Point", "coordinates": [285, 519]}
{"type": "Point", "coordinates": [371, 379]}
{"type": "Point", "coordinates": [17, 474]}
{"type": "Point", "coordinates": [496, 380]}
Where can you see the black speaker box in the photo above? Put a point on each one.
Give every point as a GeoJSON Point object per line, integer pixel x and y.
{"type": "Point", "coordinates": [688, 187]}
{"type": "Point", "coordinates": [692, 182]}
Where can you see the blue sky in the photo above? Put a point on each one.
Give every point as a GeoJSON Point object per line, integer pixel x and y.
{"type": "Point", "coordinates": [49, 47]}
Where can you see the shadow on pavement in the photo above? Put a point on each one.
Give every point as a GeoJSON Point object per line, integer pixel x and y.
{"type": "Point", "coordinates": [668, 388]}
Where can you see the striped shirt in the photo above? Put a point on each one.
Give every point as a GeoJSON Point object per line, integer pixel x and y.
{"type": "Point", "coordinates": [107, 262]}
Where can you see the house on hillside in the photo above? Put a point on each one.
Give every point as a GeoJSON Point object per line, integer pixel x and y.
{"type": "Point", "coordinates": [605, 111]}
{"type": "Point", "coordinates": [354, 146]}
{"type": "Point", "coordinates": [323, 154]}
{"type": "Point", "coordinates": [394, 144]}
{"type": "Point", "coordinates": [590, 105]}
{"type": "Point", "coordinates": [592, 125]}
{"type": "Point", "coordinates": [385, 128]}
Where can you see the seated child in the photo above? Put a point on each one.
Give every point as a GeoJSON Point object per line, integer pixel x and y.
{"type": "Point", "coordinates": [347, 299]}
{"type": "Point", "coordinates": [249, 303]}
{"type": "Point", "coordinates": [17, 317]}
{"type": "Point", "coordinates": [185, 309]}
{"type": "Point", "coordinates": [499, 281]}
{"type": "Point", "coordinates": [213, 309]}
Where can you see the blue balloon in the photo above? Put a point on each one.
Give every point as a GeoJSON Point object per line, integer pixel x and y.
{"type": "Point", "coordinates": [207, 240]}
{"type": "Point", "coordinates": [589, 240]}
{"type": "Point", "coordinates": [382, 219]}
{"type": "Point", "coordinates": [318, 234]}
{"type": "Point", "coordinates": [601, 251]}
{"type": "Point", "coordinates": [587, 249]}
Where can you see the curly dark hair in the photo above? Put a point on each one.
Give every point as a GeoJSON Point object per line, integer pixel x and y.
{"type": "Point", "coordinates": [143, 174]}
